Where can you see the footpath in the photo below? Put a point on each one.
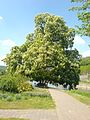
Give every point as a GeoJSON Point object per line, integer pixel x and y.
{"type": "Point", "coordinates": [68, 108]}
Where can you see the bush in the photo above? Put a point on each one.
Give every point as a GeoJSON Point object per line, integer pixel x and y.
{"type": "Point", "coordinates": [8, 83]}
{"type": "Point", "coordinates": [9, 98]}
{"type": "Point", "coordinates": [14, 83]}
{"type": "Point", "coordinates": [24, 86]}
{"type": "Point", "coordinates": [18, 96]}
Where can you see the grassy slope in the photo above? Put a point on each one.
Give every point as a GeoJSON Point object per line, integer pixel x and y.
{"type": "Point", "coordinates": [85, 65]}
{"type": "Point", "coordinates": [85, 69]}
{"type": "Point", "coordinates": [82, 96]}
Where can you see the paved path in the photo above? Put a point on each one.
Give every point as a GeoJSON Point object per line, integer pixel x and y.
{"type": "Point", "coordinates": [30, 114]}
{"type": "Point", "coordinates": [68, 108]}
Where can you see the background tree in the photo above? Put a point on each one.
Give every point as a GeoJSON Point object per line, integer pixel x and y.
{"type": "Point", "coordinates": [83, 15]}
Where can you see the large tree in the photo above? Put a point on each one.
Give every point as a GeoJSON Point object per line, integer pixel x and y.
{"type": "Point", "coordinates": [47, 54]}
{"type": "Point", "coordinates": [83, 14]}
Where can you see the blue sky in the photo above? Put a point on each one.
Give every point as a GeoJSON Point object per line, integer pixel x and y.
{"type": "Point", "coordinates": [17, 20]}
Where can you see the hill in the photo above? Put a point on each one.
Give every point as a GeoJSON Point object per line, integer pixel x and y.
{"type": "Point", "coordinates": [85, 65]}
{"type": "Point", "coordinates": [2, 69]}
{"type": "Point", "coordinates": [85, 61]}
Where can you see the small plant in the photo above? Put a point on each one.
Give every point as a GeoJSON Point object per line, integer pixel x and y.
{"type": "Point", "coordinates": [24, 86]}
{"type": "Point", "coordinates": [18, 96]}
{"type": "Point", "coordinates": [9, 98]}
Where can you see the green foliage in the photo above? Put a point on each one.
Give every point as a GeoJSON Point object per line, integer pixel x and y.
{"type": "Point", "coordinates": [83, 15]}
{"type": "Point", "coordinates": [52, 28]}
{"type": "Point", "coordinates": [9, 98]}
{"type": "Point", "coordinates": [14, 59]}
{"type": "Point", "coordinates": [47, 54]}
{"type": "Point", "coordinates": [14, 83]}
{"type": "Point", "coordinates": [18, 96]}
{"type": "Point", "coordinates": [3, 96]}
{"type": "Point", "coordinates": [8, 83]}
{"type": "Point", "coordinates": [24, 86]}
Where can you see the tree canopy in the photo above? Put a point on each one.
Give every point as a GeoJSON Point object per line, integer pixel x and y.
{"type": "Point", "coordinates": [83, 14]}
{"type": "Point", "coordinates": [47, 54]}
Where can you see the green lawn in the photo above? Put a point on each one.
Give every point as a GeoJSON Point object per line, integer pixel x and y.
{"type": "Point", "coordinates": [36, 99]}
{"type": "Point", "coordinates": [82, 96]}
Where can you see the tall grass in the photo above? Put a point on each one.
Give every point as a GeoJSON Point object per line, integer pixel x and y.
{"type": "Point", "coordinates": [82, 96]}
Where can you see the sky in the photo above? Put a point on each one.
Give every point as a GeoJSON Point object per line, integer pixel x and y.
{"type": "Point", "coordinates": [17, 20]}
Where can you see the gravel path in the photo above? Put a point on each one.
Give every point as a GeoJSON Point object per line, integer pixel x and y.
{"type": "Point", "coordinates": [68, 108]}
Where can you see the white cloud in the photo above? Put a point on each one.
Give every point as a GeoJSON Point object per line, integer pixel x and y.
{"type": "Point", "coordinates": [86, 53]}
{"type": "Point", "coordinates": [78, 40]}
{"type": "Point", "coordinates": [7, 43]}
{"type": "Point", "coordinates": [1, 18]}
{"type": "Point", "coordinates": [5, 46]}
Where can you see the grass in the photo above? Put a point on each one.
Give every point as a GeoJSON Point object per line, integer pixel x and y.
{"type": "Point", "coordinates": [82, 96]}
{"type": "Point", "coordinates": [36, 99]}
{"type": "Point", "coordinates": [85, 69]}
{"type": "Point", "coordinates": [12, 119]}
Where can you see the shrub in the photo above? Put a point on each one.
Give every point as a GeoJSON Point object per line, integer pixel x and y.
{"type": "Point", "coordinates": [18, 96]}
{"type": "Point", "coordinates": [14, 83]}
{"type": "Point", "coordinates": [24, 86]}
{"type": "Point", "coordinates": [8, 83]}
